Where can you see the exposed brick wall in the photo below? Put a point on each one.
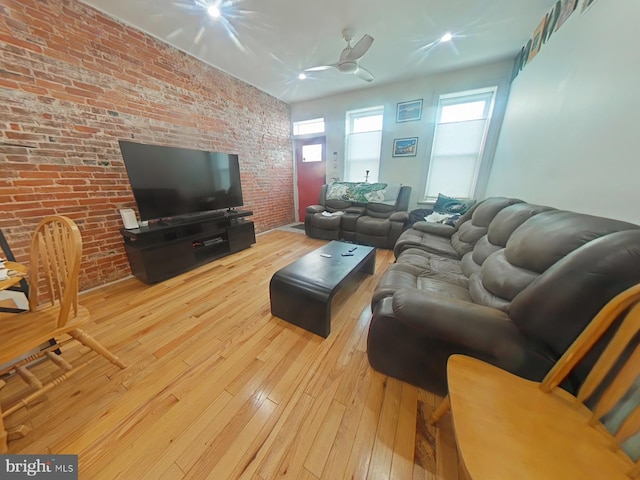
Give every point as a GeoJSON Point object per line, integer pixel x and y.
{"type": "Point", "coordinates": [74, 81]}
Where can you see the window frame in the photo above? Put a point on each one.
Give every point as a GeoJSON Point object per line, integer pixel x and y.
{"type": "Point", "coordinates": [458, 98]}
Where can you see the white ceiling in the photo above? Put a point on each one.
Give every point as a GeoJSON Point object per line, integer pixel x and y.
{"type": "Point", "coordinates": [267, 43]}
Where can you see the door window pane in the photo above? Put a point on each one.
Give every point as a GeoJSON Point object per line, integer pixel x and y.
{"type": "Point", "coordinates": [312, 153]}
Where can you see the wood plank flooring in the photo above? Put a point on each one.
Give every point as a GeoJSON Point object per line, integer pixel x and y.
{"type": "Point", "coordinates": [217, 388]}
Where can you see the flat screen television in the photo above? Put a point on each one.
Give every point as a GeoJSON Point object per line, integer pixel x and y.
{"type": "Point", "coordinates": [170, 182]}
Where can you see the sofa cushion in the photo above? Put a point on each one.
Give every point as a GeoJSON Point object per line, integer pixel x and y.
{"type": "Point", "coordinates": [404, 276]}
{"type": "Point", "coordinates": [500, 279]}
{"type": "Point", "coordinates": [432, 266]}
{"type": "Point", "coordinates": [367, 225]}
{"type": "Point", "coordinates": [429, 242]}
{"type": "Point", "coordinates": [508, 219]}
{"type": "Point", "coordinates": [500, 229]}
{"type": "Point", "coordinates": [326, 222]}
{"type": "Point", "coordinates": [446, 204]}
{"type": "Point", "coordinates": [379, 210]}
{"type": "Point", "coordinates": [544, 239]}
{"type": "Point", "coordinates": [439, 229]}
{"type": "Point", "coordinates": [334, 205]}
{"type": "Point", "coordinates": [426, 260]}
{"type": "Point", "coordinates": [429, 273]}
{"type": "Point", "coordinates": [481, 251]}
{"type": "Point", "coordinates": [473, 230]}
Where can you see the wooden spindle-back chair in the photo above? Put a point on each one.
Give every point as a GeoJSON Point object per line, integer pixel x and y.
{"type": "Point", "coordinates": [509, 427]}
{"type": "Point", "coordinates": [54, 312]}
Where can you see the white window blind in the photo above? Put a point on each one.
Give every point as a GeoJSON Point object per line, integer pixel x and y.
{"type": "Point", "coordinates": [461, 128]}
{"type": "Point", "coordinates": [363, 141]}
{"type": "Point", "coordinates": [363, 153]}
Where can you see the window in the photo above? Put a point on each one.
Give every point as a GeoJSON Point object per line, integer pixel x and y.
{"type": "Point", "coordinates": [312, 153]}
{"type": "Point", "coordinates": [308, 127]}
{"type": "Point", "coordinates": [462, 123]}
{"type": "Point", "coordinates": [364, 138]}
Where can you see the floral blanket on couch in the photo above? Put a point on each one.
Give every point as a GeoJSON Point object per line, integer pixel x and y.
{"type": "Point", "coordinates": [364, 192]}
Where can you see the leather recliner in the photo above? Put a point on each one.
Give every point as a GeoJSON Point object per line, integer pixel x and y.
{"type": "Point", "coordinates": [370, 223]}
{"type": "Point", "coordinates": [518, 299]}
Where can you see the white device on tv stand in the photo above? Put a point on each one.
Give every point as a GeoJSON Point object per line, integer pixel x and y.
{"type": "Point", "coordinates": [129, 218]}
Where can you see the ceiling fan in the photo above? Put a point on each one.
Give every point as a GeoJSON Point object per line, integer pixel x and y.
{"type": "Point", "coordinates": [349, 57]}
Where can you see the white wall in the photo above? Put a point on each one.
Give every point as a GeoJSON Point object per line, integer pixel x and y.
{"type": "Point", "coordinates": [406, 170]}
{"type": "Point", "coordinates": [571, 132]}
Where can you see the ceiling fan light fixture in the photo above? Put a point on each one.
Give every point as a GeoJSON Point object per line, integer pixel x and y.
{"type": "Point", "coordinates": [348, 67]}
{"type": "Point", "coordinates": [446, 37]}
{"type": "Point", "coordinates": [213, 11]}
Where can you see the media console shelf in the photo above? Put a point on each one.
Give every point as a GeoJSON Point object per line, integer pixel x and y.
{"type": "Point", "coordinates": [161, 251]}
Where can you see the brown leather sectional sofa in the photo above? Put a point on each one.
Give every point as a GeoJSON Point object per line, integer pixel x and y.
{"type": "Point", "coordinates": [512, 284]}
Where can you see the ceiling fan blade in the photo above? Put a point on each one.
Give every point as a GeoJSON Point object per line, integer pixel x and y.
{"type": "Point", "coordinates": [360, 48]}
{"type": "Point", "coordinates": [364, 74]}
{"type": "Point", "coordinates": [344, 54]}
{"type": "Point", "coordinates": [320, 68]}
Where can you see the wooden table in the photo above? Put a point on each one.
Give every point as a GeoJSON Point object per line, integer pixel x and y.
{"type": "Point", "coordinates": [13, 280]}
{"type": "Point", "coordinates": [301, 293]}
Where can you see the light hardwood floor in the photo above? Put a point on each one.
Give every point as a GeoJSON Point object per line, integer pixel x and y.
{"type": "Point", "coordinates": [218, 388]}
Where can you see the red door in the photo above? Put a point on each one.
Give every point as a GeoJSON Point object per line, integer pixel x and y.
{"type": "Point", "coordinates": [311, 168]}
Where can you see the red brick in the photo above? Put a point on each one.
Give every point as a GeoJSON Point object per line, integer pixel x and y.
{"type": "Point", "coordinates": [10, 39]}
{"type": "Point", "coordinates": [99, 81]}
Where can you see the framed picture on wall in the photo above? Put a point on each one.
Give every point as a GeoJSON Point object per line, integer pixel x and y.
{"type": "Point", "coordinates": [568, 6]}
{"type": "Point", "coordinates": [536, 40]}
{"type": "Point", "coordinates": [405, 147]}
{"type": "Point", "coordinates": [409, 111]}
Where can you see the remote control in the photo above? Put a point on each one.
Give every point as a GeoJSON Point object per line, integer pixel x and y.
{"type": "Point", "coordinates": [347, 254]}
{"type": "Point", "coordinates": [325, 255]}
{"type": "Point", "coordinates": [352, 249]}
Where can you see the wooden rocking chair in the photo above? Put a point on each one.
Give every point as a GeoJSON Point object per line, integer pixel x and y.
{"type": "Point", "coordinates": [54, 266]}
{"type": "Point", "coordinates": [509, 427]}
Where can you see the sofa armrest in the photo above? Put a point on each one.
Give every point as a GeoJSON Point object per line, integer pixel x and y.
{"type": "Point", "coordinates": [315, 209]}
{"type": "Point", "coordinates": [439, 229]}
{"type": "Point", "coordinates": [483, 332]}
{"type": "Point", "coordinates": [401, 217]}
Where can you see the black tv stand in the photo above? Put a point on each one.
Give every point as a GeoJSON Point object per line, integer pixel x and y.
{"type": "Point", "coordinates": [165, 249]}
{"type": "Point", "coordinates": [167, 222]}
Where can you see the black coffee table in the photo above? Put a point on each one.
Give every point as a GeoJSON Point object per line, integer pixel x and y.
{"type": "Point", "coordinates": [301, 292]}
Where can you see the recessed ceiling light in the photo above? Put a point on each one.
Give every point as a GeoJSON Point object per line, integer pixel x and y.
{"type": "Point", "coordinates": [446, 37]}
{"type": "Point", "coordinates": [213, 11]}
{"type": "Point", "coordinates": [302, 76]}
